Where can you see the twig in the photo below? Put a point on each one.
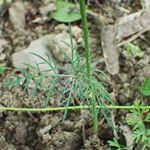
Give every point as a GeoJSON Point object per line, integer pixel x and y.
{"type": "Point", "coordinates": [69, 108]}
{"type": "Point", "coordinates": [132, 38]}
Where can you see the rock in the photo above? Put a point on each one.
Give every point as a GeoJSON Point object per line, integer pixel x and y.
{"type": "Point", "coordinates": [93, 142]}
{"type": "Point", "coordinates": [17, 15]}
{"type": "Point", "coordinates": [21, 132]}
{"type": "Point", "coordinates": [41, 20]}
{"type": "Point", "coordinates": [48, 1]}
{"type": "Point", "coordinates": [51, 45]}
{"type": "Point", "coordinates": [50, 6]}
{"type": "Point", "coordinates": [64, 140]}
{"type": "Point", "coordinates": [68, 125]}
{"type": "Point", "coordinates": [110, 52]}
{"type": "Point", "coordinates": [44, 130]}
{"type": "Point", "coordinates": [148, 50]}
{"type": "Point", "coordinates": [128, 135]}
{"type": "Point", "coordinates": [4, 144]}
{"type": "Point", "coordinates": [8, 1]}
{"type": "Point", "coordinates": [123, 77]}
{"type": "Point", "coordinates": [77, 32]}
{"type": "Point", "coordinates": [2, 43]}
{"type": "Point", "coordinates": [2, 56]}
{"type": "Point", "coordinates": [25, 56]}
{"type": "Point", "coordinates": [116, 1]}
{"type": "Point", "coordinates": [145, 71]}
{"type": "Point", "coordinates": [61, 28]}
{"type": "Point", "coordinates": [60, 46]}
{"type": "Point", "coordinates": [46, 138]}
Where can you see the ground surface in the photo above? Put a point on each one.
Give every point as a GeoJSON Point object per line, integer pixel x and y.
{"type": "Point", "coordinates": [40, 131]}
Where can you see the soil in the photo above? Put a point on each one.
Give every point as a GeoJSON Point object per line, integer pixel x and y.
{"type": "Point", "coordinates": [46, 131]}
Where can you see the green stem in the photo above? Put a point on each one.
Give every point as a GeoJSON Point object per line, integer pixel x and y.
{"type": "Point", "coordinates": [88, 62]}
{"type": "Point", "coordinates": [86, 37]}
{"type": "Point", "coordinates": [69, 108]}
{"type": "Point", "coordinates": [94, 113]}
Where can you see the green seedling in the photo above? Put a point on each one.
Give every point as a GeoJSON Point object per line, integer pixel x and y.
{"type": "Point", "coordinates": [2, 69]}
{"type": "Point", "coordinates": [77, 83]}
{"type": "Point", "coordinates": [78, 87]}
{"type": "Point", "coordinates": [79, 80]}
{"type": "Point", "coordinates": [115, 144]}
{"type": "Point", "coordinates": [139, 119]}
{"type": "Point", "coordinates": [66, 12]}
{"type": "Point", "coordinates": [145, 88]}
{"type": "Point", "coordinates": [134, 50]}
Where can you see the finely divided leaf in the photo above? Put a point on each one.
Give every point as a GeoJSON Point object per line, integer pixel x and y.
{"type": "Point", "coordinates": [134, 50]}
{"type": "Point", "coordinates": [145, 89]}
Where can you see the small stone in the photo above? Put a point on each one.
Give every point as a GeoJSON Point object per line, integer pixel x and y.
{"type": "Point", "coordinates": [49, 6]}
{"type": "Point", "coordinates": [64, 140]}
{"type": "Point", "coordinates": [53, 45]}
{"type": "Point", "coordinates": [46, 137]}
{"type": "Point", "coordinates": [44, 130]}
{"type": "Point", "coordinates": [48, 1]}
{"type": "Point", "coordinates": [37, 47]}
{"type": "Point", "coordinates": [148, 50]}
{"type": "Point", "coordinates": [61, 28]}
{"type": "Point", "coordinates": [68, 125]}
{"type": "Point", "coordinates": [123, 77]}
{"type": "Point", "coordinates": [122, 99]}
{"type": "Point", "coordinates": [80, 40]}
{"type": "Point", "coordinates": [41, 20]}
{"type": "Point", "coordinates": [60, 48]}
{"type": "Point", "coordinates": [8, 1]}
{"type": "Point", "coordinates": [3, 42]}
{"type": "Point", "coordinates": [77, 32]}
{"type": "Point", "coordinates": [2, 57]}
{"type": "Point", "coordinates": [17, 15]}
{"type": "Point", "coordinates": [21, 132]}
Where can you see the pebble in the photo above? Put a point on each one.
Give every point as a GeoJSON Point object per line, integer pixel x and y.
{"type": "Point", "coordinates": [61, 28]}
{"type": "Point", "coordinates": [2, 56]}
{"type": "Point", "coordinates": [49, 44]}
{"type": "Point", "coordinates": [45, 130]}
{"type": "Point", "coordinates": [25, 56]}
{"type": "Point", "coordinates": [50, 6]}
{"type": "Point", "coordinates": [77, 32]}
{"type": "Point", "coordinates": [17, 15]}
{"type": "Point", "coordinates": [3, 42]}
{"type": "Point", "coordinates": [123, 77]}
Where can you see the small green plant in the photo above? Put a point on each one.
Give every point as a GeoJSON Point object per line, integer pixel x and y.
{"type": "Point", "coordinates": [145, 88]}
{"type": "Point", "coordinates": [114, 143]}
{"type": "Point", "coordinates": [2, 69]}
{"type": "Point", "coordinates": [66, 12]}
{"type": "Point", "coordinates": [139, 119]}
{"type": "Point", "coordinates": [134, 50]}
{"type": "Point", "coordinates": [78, 85]}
